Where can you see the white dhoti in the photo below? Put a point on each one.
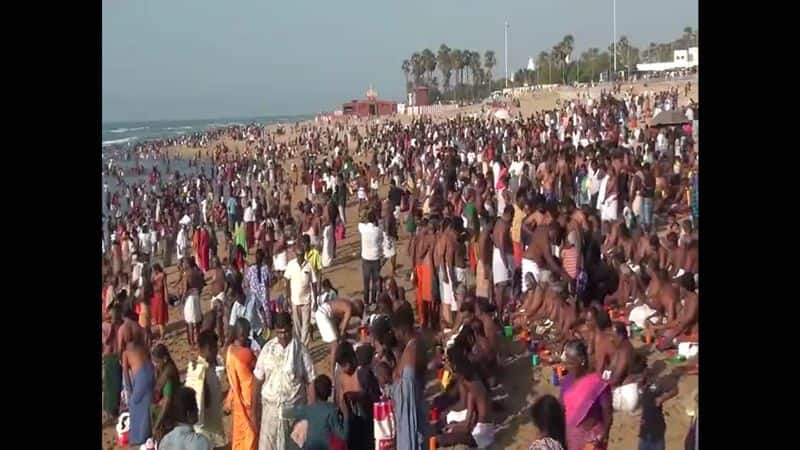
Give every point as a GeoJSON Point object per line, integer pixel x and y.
{"type": "Point", "coordinates": [483, 433]}
{"type": "Point", "coordinates": [191, 309]}
{"type": "Point", "coordinates": [608, 212]}
{"type": "Point", "coordinates": [626, 397]}
{"type": "Point", "coordinates": [325, 324]}
{"type": "Point", "coordinates": [688, 349]}
{"type": "Point", "coordinates": [446, 289]}
{"type": "Point", "coordinates": [639, 315]}
{"type": "Point", "coordinates": [279, 262]}
{"type": "Point", "coordinates": [389, 248]}
{"type": "Point", "coordinates": [539, 274]}
{"type": "Point", "coordinates": [501, 266]}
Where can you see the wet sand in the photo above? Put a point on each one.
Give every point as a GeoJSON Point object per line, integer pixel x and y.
{"type": "Point", "coordinates": [522, 382]}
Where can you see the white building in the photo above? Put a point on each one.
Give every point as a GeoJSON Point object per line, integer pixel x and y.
{"type": "Point", "coordinates": [681, 59]}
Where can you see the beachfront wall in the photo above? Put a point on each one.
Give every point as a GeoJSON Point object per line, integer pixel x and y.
{"type": "Point", "coordinates": [429, 109]}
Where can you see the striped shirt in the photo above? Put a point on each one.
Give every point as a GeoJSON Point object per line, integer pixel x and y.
{"type": "Point", "coordinates": [569, 260]}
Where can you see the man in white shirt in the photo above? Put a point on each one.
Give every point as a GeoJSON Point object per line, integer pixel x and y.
{"type": "Point", "coordinates": [298, 272]}
{"type": "Point", "coordinates": [145, 246]}
{"type": "Point", "coordinates": [371, 253]}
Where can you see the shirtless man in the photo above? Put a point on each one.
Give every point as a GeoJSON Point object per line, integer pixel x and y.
{"type": "Point", "coordinates": [684, 327]}
{"type": "Point", "coordinates": [502, 256]}
{"type": "Point", "coordinates": [483, 254]}
{"type": "Point", "coordinates": [671, 256]}
{"type": "Point", "coordinates": [596, 332]}
{"type": "Point", "coordinates": [215, 280]}
{"type": "Point", "coordinates": [618, 374]}
{"type": "Point", "coordinates": [531, 305]}
{"type": "Point", "coordinates": [626, 286]}
{"type": "Point", "coordinates": [477, 429]}
{"type": "Point", "coordinates": [662, 296]}
{"type": "Point", "coordinates": [538, 258]}
{"type": "Point", "coordinates": [422, 250]}
{"type": "Point", "coordinates": [483, 312]}
{"type": "Point", "coordinates": [129, 335]}
{"type": "Point", "coordinates": [566, 315]}
{"type": "Point", "coordinates": [444, 260]}
{"type": "Point", "coordinates": [191, 284]}
{"type": "Point", "coordinates": [333, 318]}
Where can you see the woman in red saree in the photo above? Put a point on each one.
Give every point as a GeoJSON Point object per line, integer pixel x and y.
{"type": "Point", "coordinates": [239, 364]}
{"type": "Point", "coordinates": [158, 302]}
{"type": "Point", "coordinates": [203, 242]}
{"type": "Point", "coordinates": [587, 401]}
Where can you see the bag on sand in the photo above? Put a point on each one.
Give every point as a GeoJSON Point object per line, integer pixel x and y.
{"type": "Point", "coordinates": [383, 424]}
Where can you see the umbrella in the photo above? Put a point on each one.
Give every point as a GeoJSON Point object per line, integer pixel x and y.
{"type": "Point", "coordinates": [502, 114]}
{"type": "Point", "coordinates": [666, 118]}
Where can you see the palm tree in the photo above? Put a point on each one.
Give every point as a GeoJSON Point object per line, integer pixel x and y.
{"type": "Point", "coordinates": [555, 56]}
{"type": "Point", "coordinates": [417, 67]}
{"type": "Point", "coordinates": [455, 64]}
{"type": "Point", "coordinates": [567, 44]}
{"type": "Point", "coordinates": [489, 61]}
{"type": "Point", "coordinates": [428, 62]}
{"type": "Point", "coordinates": [445, 66]}
{"type": "Point", "coordinates": [406, 66]}
{"type": "Point", "coordinates": [594, 53]}
{"type": "Point", "coordinates": [652, 52]}
{"type": "Point", "coordinates": [541, 61]}
{"type": "Point", "coordinates": [475, 70]}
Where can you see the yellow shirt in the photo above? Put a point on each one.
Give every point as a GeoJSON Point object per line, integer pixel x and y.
{"type": "Point", "coordinates": [516, 224]}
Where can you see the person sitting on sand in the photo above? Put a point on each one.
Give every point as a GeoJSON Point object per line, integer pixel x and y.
{"type": "Point", "coordinates": [684, 327]}
{"type": "Point", "coordinates": [619, 373]}
{"type": "Point", "coordinates": [472, 426]}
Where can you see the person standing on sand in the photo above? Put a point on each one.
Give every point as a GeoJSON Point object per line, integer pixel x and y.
{"type": "Point", "coordinates": [201, 376]}
{"type": "Point", "coordinates": [371, 253]}
{"type": "Point", "coordinates": [112, 370]}
{"type": "Point", "coordinates": [139, 376]}
{"type": "Point", "coordinates": [191, 284]}
{"type": "Point", "coordinates": [240, 361]}
{"type": "Point", "coordinates": [283, 375]}
{"type": "Point", "coordinates": [299, 291]}
{"type": "Point", "coordinates": [409, 382]}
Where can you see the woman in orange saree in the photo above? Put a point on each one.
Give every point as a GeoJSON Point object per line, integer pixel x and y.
{"type": "Point", "coordinates": [239, 364]}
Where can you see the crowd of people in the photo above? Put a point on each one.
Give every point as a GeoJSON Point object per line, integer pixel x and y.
{"type": "Point", "coordinates": [574, 227]}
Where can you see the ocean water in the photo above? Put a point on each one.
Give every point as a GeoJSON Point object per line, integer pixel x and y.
{"type": "Point", "coordinates": [128, 133]}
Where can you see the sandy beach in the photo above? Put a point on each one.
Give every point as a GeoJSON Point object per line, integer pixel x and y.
{"type": "Point", "coordinates": [522, 382]}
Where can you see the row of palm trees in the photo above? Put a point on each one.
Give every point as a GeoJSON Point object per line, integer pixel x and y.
{"type": "Point", "coordinates": [455, 65]}
{"type": "Point", "coordinates": [557, 65]}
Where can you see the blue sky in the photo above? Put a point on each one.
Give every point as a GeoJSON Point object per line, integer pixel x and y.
{"type": "Point", "coordinates": [196, 59]}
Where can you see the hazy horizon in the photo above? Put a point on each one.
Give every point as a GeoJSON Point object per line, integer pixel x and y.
{"type": "Point", "coordinates": [202, 59]}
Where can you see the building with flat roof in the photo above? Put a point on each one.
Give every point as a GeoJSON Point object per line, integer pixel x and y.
{"type": "Point", "coordinates": [370, 106]}
{"type": "Point", "coordinates": [681, 59]}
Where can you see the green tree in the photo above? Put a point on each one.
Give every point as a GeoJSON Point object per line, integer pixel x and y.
{"type": "Point", "coordinates": [406, 66]}
{"type": "Point", "coordinates": [489, 61]}
{"type": "Point", "coordinates": [445, 66]}
{"type": "Point", "coordinates": [566, 46]}
{"type": "Point", "coordinates": [417, 68]}
{"type": "Point", "coordinates": [429, 63]}
{"type": "Point", "coordinates": [542, 61]}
